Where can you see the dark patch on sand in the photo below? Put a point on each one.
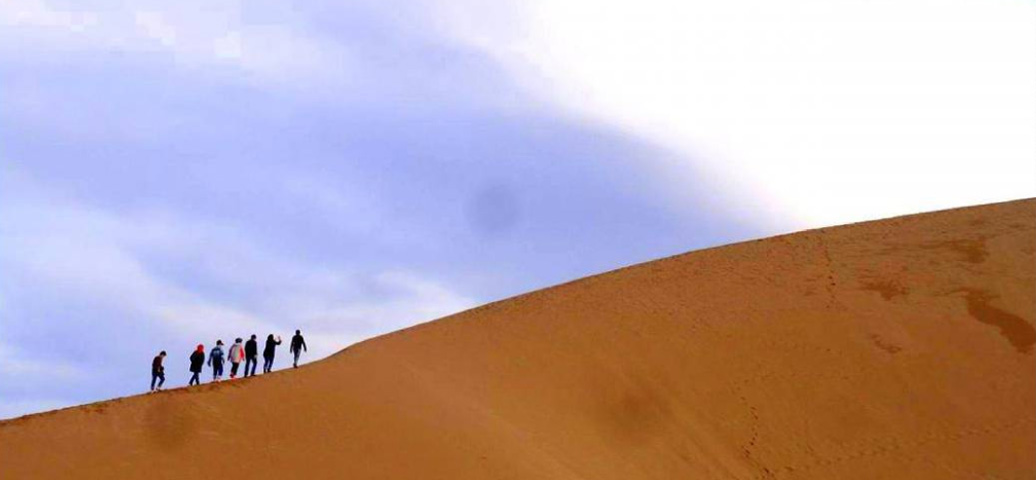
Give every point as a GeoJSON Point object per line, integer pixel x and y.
{"type": "Point", "coordinates": [1014, 328]}
{"type": "Point", "coordinates": [885, 345]}
{"type": "Point", "coordinates": [973, 251]}
{"type": "Point", "coordinates": [888, 289]}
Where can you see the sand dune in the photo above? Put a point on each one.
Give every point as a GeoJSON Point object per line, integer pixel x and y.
{"type": "Point", "coordinates": [901, 348]}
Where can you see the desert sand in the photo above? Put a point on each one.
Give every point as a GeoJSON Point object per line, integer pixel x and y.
{"type": "Point", "coordinates": [901, 348]}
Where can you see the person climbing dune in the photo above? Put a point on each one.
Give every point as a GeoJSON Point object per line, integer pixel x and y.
{"type": "Point", "coordinates": [197, 360]}
{"type": "Point", "coordinates": [235, 355]}
{"type": "Point", "coordinates": [298, 344]}
{"type": "Point", "coordinates": [216, 361]}
{"type": "Point", "coordinates": [269, 352]}
{"type": "Point", "coordinates": [157, 371]}
{"type": "Point", "coordinates": [251, 356]}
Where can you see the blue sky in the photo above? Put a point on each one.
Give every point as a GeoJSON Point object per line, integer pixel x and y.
{"type": "Point", "coordinates": [173, 175]}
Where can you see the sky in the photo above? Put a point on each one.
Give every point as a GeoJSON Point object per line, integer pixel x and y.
{"type": "Point", "coordinates": [171, 174]}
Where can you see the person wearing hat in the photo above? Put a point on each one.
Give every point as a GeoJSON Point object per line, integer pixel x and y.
{"type": "Point", "coordinates": [216, 361]}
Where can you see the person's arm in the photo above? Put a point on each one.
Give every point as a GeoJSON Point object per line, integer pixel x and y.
{"type": "Point", "coordinates": [304, 348]}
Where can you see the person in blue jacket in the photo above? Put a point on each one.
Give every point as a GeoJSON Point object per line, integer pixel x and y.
{"type": "Point", "coordinates": [216, 361]}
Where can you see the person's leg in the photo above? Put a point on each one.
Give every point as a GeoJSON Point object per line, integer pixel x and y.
{"type": "Point", "coordinates": [153, 378]}
{"type": "Point", "coordinates": [248, 365]}
{"type": "Point", "coordinates": [233, 369]}
{"type": "Point", "coordinates": [255, 363]}
{"type": "Point", "coordinates": [161, 380]}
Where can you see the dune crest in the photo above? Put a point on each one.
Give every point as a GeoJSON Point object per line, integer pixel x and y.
{"type": "Point", "coordinates": [901, 348]}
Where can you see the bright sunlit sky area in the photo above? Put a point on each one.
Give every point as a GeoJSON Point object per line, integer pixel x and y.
{"type": "Point", "coordinates": [176, 172]}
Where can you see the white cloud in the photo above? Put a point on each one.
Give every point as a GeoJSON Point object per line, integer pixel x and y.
{"type": "Point", "coordinates": [36, 13]}
{"type": "Point", "coordinates": [19, 368]}
{"type": "Point", "coordinates": [813, 112]}
{"type": "Point", "coordinates": [194, 34]}
{"type": "Point", "coordinates": [154, 26]}
{"type": "Point", "coordinates": [16, 364]}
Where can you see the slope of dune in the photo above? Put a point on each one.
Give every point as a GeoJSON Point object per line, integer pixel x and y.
{"type": "Point", "coordinates": [901, 348]}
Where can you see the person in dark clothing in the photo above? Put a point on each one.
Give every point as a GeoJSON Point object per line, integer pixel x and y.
{"type": "Point", "coordinates": [197, 360]}
{"type": "Point", "coordinates": [298, 344]}
{"type": "Point", "coordinates": [251, 356]}
{"type": "Point", "coordinates": [269, 351]}
{"type": "Point", "coordinates": [216, 361]}
{"type": "Point", "coordinates": [157, 371]}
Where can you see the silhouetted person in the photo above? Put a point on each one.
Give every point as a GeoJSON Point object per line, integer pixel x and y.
{"type": "Point", "coordinates": [298, 344]}
{"type": "Point", "coordinates": [197, 360]}
{"type": "Point", "coordinates": [216, 361]}
{"type": "Point", "coordinates": [251, 356]}
{"type": "Point", "coordinates": [236, 355]}
{"type": "Point", "coordinates": [157, 371]}
{"type": "Point", "coordinates": [269, 352]}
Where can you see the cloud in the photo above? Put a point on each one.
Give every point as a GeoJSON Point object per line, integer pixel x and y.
{"type": "Point", "coordinates": [195, 35]}
{"type": "Point", "coordinates": [16, 365]}
{"type": "Point", "coordinates": [809, 113]}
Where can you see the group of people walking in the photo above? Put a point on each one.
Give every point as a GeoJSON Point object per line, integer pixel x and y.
{"type": "Point", "coordinates": [248, 352]}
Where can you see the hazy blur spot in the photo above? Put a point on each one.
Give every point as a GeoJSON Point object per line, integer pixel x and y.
{"type": "Point", "coordinates": [493, 210]}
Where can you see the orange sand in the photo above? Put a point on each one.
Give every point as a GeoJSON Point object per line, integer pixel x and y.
{"type": "Point", "coordinates": [901, 348]}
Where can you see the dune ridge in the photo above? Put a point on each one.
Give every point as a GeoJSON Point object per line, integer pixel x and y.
{"type": "Point", "coordinates": [899, 348]}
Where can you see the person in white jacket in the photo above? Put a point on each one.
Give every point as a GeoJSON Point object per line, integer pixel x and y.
{"type": "Point", "coordinates": [236, 355]}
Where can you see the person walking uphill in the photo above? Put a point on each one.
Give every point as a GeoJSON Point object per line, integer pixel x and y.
{"type": "Point", "coordinates": [236, 355]}
{"type": "Point", "coordinates": [216, 361]}
{"type": "Point", "coordinates": [197, 360]}
{"type": "Point", "coordinates": [157, 371]}
{"type": "Point", "coordinates": [269, 352]}
{"type": "Point", "coordinates": [251, 356]}
{"type": "Point", "coordinates": [298, 344]}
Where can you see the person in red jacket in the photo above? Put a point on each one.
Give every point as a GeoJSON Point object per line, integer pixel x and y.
{"type": "Point", "coordinates": [197, 360]}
